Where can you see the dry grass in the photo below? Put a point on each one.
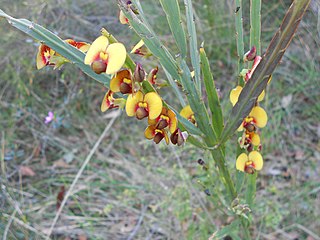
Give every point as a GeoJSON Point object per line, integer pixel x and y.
{"type": "Point", "coordinates": [132, 188]}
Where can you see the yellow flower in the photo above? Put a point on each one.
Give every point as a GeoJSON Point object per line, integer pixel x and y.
{"type": "Point", "coordinates": [43, 56]}
{"type": "Point", "coordinates": [187, 113]}
{"type": "Point", "coordinates": [167, 118]}
{"type": "Point", "coordinates": [47, 56]}
{"type": "Point", "coordinates": [110, 102]}
{"type": "Point", "coordinates": [235, 93]}
{"type": "Point", "coordinates": [122, 82]}
{"type": "Point", "coordinates": [141, 106]}
{"type": "Point", "coordinates": [156, 134]}
{"type": "Point", "coordinates": [256, 118]}
{"type": "Point", "coordinates": [249, 163]}
{"type": "Point", "coordinates": [105, 57]}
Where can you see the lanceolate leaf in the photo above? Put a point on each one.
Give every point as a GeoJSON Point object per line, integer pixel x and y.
{"type": "Point", "coordinates": [213, 98]}
{"type": "Point", "coordinates": [53, 41]}
{"type": "Point", "coordinates": [141, 27]}
{"type": "Point", "coordinates": [172, 10]}
{"type": "Point", "coordinates": [192, 35]}
{"type": "Point", "coordinates": [270, 60]}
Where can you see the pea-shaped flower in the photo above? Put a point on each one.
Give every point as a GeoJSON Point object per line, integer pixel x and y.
{"type": "Point", "coordinates": [105, 57]}
{"type": "Point", "coordinates": [187, 113]}
{"type": "Point", "coordinates": [256, 118]}
{"type": "Point", "coordinates": [249, 163]}
{"type": "Point", "coordinates": [144, 105]}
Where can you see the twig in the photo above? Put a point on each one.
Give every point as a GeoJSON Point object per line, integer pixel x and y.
{"type": "Point", "coordinates": [9, 224]}
{"type": "Point", "coordinates": [135, 230]}
{"type": "Point", "coordinates": [85, 163]}
{"type": "Point", "coordinates": [20, 222]}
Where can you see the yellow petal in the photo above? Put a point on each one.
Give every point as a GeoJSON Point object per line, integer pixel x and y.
{"type": "Point", "coordinates": [105, 102]}
{"type": "Point", "coordinates": [269, 80]}
{"type": "Point", "coordinates": [166, 138]}
{"type": "Point", "coordinates": [132, 101]}
{"type": "Point", "coordinates": [149, 133]}
{"type": "Point", "coordinates": [186, 112]}
{"type": "Point", "coordinates": [152, 121]}
{"type": "Point", "coordinates": [43, 56]}
{"type": "Point", "coordinates": [116, 57]}
{"type": "Point", "coordinates": [261, 96]}
{"type": "Point", "coordinates": [257, 159]}
{"type": "Point", "coordinates": [118, 79]}
{"type": "Point", "coordinates": [98, 45]}
{"type": "Point", "coordinates": [240, 128]}
{"type": "Point", "coordinates": [137, 46]}
{"type": "Point", "coordinates": [115, 84]}
{"type": "Point", "coordinates": [234, 95]}
{"type": "Point", "coordinates": [173, 121]}
{"type": "Point", "coordinates": [241, 162]}
{"type": "Point", "coordinates": [260, 116]}
{"type": "Point", "coordinates": [255, 139]}
{"type": "Point", "coordinates": [154, 102]}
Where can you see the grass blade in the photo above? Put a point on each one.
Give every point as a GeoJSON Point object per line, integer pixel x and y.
{"type": "Point", "coordinates": [172, 10]}
{"type": "Point", "coordinates": [270, 60]}
{"type": "Point", "coordinates": [192, 35]}
{"type": "Point", "coordinates": [213, 98]}
{"type": "Point", "coordinates": [53, 41]}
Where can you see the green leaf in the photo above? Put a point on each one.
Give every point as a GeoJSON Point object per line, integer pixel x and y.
{"type": "Point", "coordinates": [197, 105]}
{"type": "Point", "coordinates": [140, 25]}
{"type": "Point", "coordinates": [192, 35]}
{"type": "Point", "coordinates": [172, 10]}
{"type": "Point", "coordinates": [213, 98]}
{"type": "Point", "coordinates": [226, 230]}
{"type": "Point", "coordinates": [57, 44]}
{"type": "Point", "coordinates": [270, 60]}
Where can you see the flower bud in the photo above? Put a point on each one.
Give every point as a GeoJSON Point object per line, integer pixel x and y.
{"type": "Point", "coordinates": [250, 55]}
{"type": "Point", "coordinates": [139, 73]}
{"type": "Point", "coordinates": [152, 76]}
{"type": "Point", "coordinates": [178, 137]}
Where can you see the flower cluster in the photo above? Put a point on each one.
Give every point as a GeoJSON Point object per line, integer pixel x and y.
{"type": "Point", "coordinates": [110, 58]}
{"type": "Point", "coordinates": [257, 119]}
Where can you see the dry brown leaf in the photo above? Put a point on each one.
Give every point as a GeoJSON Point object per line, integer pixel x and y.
{"type": "Point", "coordinates": [82, 237]}
{"type": "Point", "coordinates": [26, 171]}
{"type": "Point", "coordinates": [60, 164]}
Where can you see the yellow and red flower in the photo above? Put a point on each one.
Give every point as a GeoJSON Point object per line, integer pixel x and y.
{"type": "Point", "coordinates": [105, 57]}
{"type": "Point", "coordinates": [122, 82]}
{"type": "Point", "coordinates": [167, 118]}
{"type": "Point", "coordinates": [178, 137]}
{"type": "Point", "coordinates": [144, 105]}
{"type": "Point", "coordinates": [235, 93]}
{"type": "Point", "coordinates": [47, 56]}
{"type": "Point", "coordinates": [122, 18]}
{"type": "Point", "coordinates": [249, 163]}
{"type": "Point", "coordinates": [257, 118]}
{"type": "Point", "coordinates": [110, 102]}
{"type": "Point", "coordinates": [187, 113]}
{"type": "Point", "coordinates": [44, 55]}
{"type": "Point", "coordinates": [156, 134]}
{"type": "Point", "coordinates": [82, 46]}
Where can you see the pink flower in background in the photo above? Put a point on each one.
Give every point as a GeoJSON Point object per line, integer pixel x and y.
{"type": "Point", "coordinates": [49, 118]}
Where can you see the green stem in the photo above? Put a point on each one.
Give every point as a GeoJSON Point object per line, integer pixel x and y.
{"type": "Point", "coordinates": [239, 35]}
{"type": "Point", "coordinates": [255, 24]}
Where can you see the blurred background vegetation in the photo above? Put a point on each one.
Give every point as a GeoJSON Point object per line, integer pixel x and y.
{"type": "Point", "coordinates": [132, 188]}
